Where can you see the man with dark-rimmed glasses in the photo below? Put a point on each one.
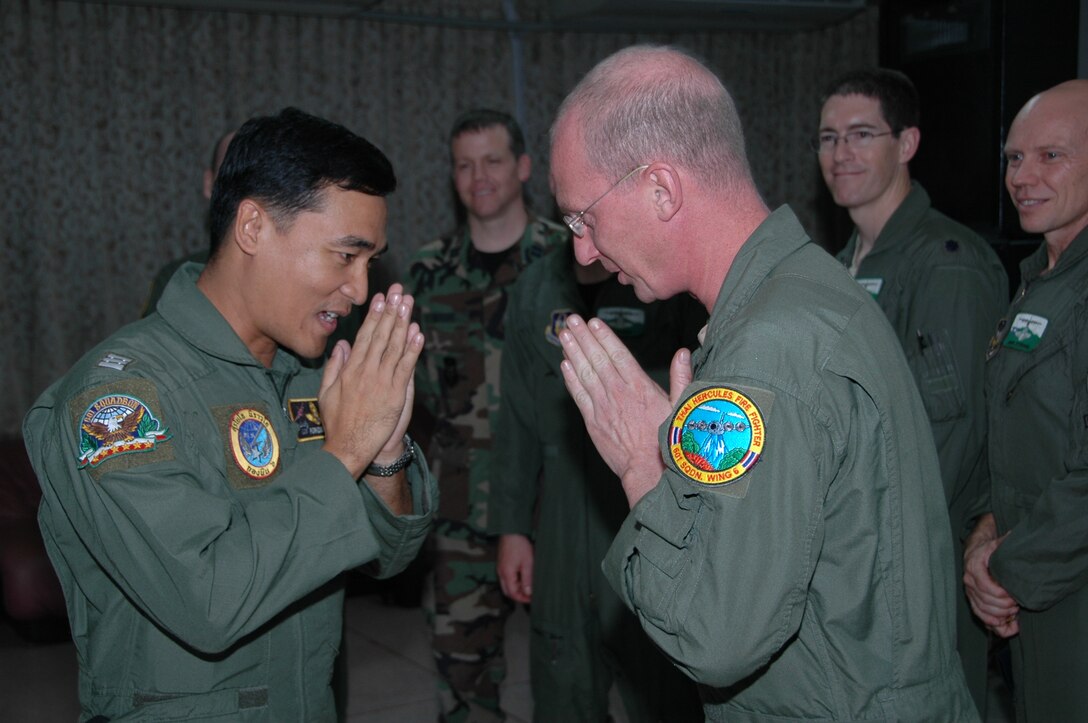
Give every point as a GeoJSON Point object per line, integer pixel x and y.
{"type": "Point", "coordinates": [940, 285]}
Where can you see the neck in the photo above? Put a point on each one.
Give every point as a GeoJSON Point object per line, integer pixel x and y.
{"type": "Point", "coordinates": [717, 238]}
{"type": "Point", "coordinates": [871, 218]}
{"type": "Point", "coordinates": [1057, 243]}
{"type": "Point", "coordinates": [227, 296]}
{"type": "Point", "coordinates": [500, 233]}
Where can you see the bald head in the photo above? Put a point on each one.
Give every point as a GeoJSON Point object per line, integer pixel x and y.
{"type": "Point", "coordinates": [647, 103]}
{"type": "Point", "coordinates": [1047, 155]}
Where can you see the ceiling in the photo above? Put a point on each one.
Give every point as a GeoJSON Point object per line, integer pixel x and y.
{"type": "Point", "coordinates": [596, 16]}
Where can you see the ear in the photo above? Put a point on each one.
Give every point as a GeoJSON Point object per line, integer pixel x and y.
{"type": "Point", "coordinates": [250, 222]}
{"type": "Point", "coordinates": [525, 166]}
{"type": "Point", "coordinates": [909, 139]}
{"type": "Point", "coordinates": [666, 190]}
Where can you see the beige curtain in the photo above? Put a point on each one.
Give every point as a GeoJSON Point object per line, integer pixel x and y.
{"type": "Point", "coordinates": [108, 114]}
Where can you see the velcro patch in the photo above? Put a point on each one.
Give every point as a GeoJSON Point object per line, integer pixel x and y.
{"type": "Point", "coordinates": [119, 423]}
{"type": "Point", "coordinates": [625, 321]}
{"type": "Point", "coordinates": [252, 448]}
{"type": "Point", "coordinates": [717, 435]}
{"type": "Point", "coordinates": [307, 415]}
{"type": "Point", "coordinates": [1026, 332]}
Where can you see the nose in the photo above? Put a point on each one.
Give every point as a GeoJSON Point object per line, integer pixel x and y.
{"type": "Point", "coordinates": [1022, 174]}
{"type": "Point", "coordinates": [356, 285]}
{"type": "Point", "coordinates": [584, 250]}
{"type": "Point", "coordinates": [842, 150]}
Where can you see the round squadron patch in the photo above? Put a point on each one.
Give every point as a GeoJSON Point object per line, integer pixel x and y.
{"type": "Point", "coordinates": [254, 444]}
{"type": "Point", "coordinates": [117, 424]}
{"type": "Point", "coordinates": [716, 436]}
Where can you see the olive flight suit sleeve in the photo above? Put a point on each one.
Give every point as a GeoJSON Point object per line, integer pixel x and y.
{"type": "Point", "coordinates": [718, 573]}
{"type": "Point", "coordinates": [518, 460]}
{"type": "Point", "coordinates": [400, 537]}
{"type": "Point", "coordinates": [207, 561]}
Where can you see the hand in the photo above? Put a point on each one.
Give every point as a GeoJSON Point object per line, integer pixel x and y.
{"type": "Point", "coordinates": [367, 389]}
{"type": "Point", "coordinates": [622, 406]}
{"type": "Point", "coordinates": [515, 567]}
{"type": "Point", "coordinates": [990, 602]}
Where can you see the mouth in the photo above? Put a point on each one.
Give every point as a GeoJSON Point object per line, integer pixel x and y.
{"type": "Point", "coordinates": [1029, 202]}
{"type": "Point", "coordinates": [329, 320]}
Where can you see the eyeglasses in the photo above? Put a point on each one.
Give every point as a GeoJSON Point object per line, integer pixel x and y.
{"type": "Point", "coordinates": [826, 142]}
{"type": "Point", "coordinates": [574, 220]}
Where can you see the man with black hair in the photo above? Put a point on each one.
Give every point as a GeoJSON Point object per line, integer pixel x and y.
{"type": "Point", "coordinates": [202, 491]}
{"type": "Point", "coordinates": [940, 285]}
{"type": "Point", "coordinates": [461, 282]}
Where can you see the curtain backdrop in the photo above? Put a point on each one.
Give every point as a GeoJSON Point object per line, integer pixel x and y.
{"type": "Point", "coordinates": [108, 114]}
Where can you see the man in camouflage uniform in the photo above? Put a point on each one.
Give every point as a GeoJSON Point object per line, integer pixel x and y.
{"type": "Point", "coordinates": [461, 282]}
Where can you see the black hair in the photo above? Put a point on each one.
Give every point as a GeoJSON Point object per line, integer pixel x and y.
{"type": "Point", "coordinates": [893, 90]}
{"type": "Point", "coordinates": [478, 119]}
{"type": "Point", "coordinates": [285, 161]}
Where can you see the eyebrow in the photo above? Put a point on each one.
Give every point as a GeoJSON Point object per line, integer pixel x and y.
{"type": "Point", "coordinates": [852, 127]}
{"type": "Point", "coordinates": [357, 242]}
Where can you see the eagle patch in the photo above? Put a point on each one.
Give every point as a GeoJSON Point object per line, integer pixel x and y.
{"type": "Point", "coordinates": [117, 424]}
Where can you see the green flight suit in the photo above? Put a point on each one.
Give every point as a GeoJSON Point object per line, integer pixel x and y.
{"type": "Point", "coordinates": [547, 470]}
{"type": "Point", "coordinates": [197, 526]}
{"type": "Point", "coordinates": [942, 288]}
{"type": "Point", "coordinates": [793, 559]}
{"type": "Point", "coordinates": [1037, 400]}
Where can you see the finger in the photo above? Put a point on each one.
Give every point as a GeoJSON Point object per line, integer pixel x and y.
{"type": "Point", "coordinates": [334, 365]}
{"type": "Point", "coordinates": [577, 390]}
{"type": "Point", "coordinates": [592, 338]}
{"type": "Point", "coordinates": [381, 333]}
{"type": "Point", "coordinates": [619, 357]}
{"type": "Point", "coordinates": [366, 329]}
{"type": "Point", "coordinates": [680, 374]}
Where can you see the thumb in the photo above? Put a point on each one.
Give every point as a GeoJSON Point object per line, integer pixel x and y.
{"type": "Point", "coordinates": [679, 374]}
{"type": "Point", "coordinates": [334, 365]}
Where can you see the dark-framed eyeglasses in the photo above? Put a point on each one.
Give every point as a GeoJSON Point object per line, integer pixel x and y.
{"type": "Point", "coordinates": [826, 142]}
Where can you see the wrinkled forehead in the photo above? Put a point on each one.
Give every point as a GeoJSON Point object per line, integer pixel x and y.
{"type": "Point", "coordinates": [568, 164]}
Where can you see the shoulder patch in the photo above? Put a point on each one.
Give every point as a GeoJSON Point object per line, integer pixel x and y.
{"type": "Point", "coordinates": [307, 415]}
{"type": "Point", "coordinates": [120, 421]}
{"type": "Point", "coordinates": [716, 436]}
{"type": "Point", "coordinates": [556, 323]}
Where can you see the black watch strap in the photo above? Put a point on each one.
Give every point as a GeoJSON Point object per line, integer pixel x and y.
{"type": "Point", "coordinates": [388, 470]}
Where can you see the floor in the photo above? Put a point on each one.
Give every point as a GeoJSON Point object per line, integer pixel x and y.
{"type": "Point", "coordinates": [391, 672]}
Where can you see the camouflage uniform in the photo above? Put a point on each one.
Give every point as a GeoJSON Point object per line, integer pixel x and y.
{"type": "Point", "coordinates": [461, 297]}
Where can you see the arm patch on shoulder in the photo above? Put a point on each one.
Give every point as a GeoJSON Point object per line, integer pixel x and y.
{"type": "Point", "coordinates": [120, 423]}
{"type": "Point", "coordinates": [717, 435]}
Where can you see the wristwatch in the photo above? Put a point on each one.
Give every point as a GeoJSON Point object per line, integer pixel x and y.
{"type": "Point", "coordinates": [388, 470]}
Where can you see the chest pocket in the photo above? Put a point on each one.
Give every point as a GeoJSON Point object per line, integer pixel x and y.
{"type": "Point", "coordinates": [934, 368]}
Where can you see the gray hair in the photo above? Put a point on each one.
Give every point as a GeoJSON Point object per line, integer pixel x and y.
{"type": "Point", "coordinates": [657, 103]}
